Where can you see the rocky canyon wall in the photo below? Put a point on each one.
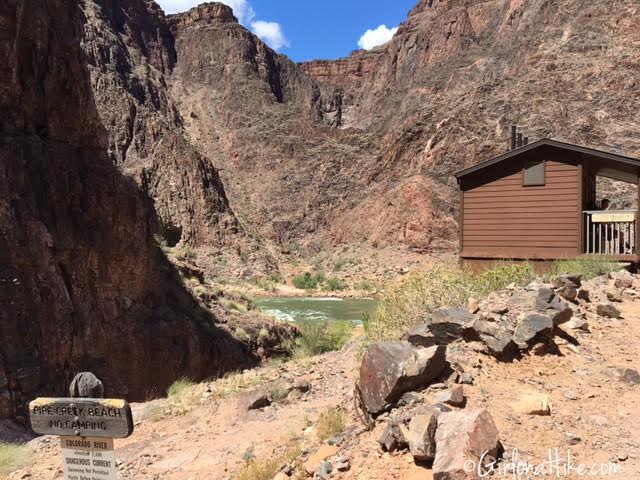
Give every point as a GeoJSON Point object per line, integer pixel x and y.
{"type": "Point", "coordinates": [82, 284]}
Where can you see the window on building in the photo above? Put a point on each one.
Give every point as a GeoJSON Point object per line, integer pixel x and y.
{"type": "Point", "coordinates": [533, 173]}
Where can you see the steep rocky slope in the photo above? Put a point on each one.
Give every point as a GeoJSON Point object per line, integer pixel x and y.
{"type": "Point", "coordinates": [82, 284]}
{"type": "Point", "coordinates": [443, 92]}
{"type": "Point", "coordinates": [363, 148]}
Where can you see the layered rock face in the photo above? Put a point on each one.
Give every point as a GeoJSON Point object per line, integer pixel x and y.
{"type": "Point", "coordinates": [82, 284]}
{"type": "Point", "coordinates": [443, 92]}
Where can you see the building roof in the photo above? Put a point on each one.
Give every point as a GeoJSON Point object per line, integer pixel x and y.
{"type": "Point", "coordinates": [620, 159]}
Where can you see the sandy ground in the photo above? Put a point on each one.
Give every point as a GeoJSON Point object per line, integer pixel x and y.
{"type": "Point", "coordinates": [595, 417]}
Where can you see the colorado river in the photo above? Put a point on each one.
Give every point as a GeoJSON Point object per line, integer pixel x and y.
{"type": "Point", "coordinates": [295, 309]}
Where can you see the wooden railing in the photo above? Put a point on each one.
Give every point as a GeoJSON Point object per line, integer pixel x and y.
{"type": "Point", "coordinates": [610, 232]}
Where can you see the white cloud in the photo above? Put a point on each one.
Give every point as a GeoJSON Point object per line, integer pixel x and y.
{"type": "Point", "coordinates": [242, 9]}
{"type": "Point", "coordinates": [271, 33]}
{"type": "Point", "coordinates": [374, 38]}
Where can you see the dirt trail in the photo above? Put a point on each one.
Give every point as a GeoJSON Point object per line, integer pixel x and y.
{"type": "Point", "coordinates": [595, 416]}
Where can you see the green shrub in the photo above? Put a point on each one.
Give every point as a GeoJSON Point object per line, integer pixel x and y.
{"type": "Point", "coordinates": [405, 304]}
{"type": "Point", "coordinates": [334, 284]}
{"type": "Point", "coordinates": [277, 392]}
{"type": "Point", "coordinates": [305, 281]}
{"type": "Point", "coordinates": [183, 395]}
{"type": "Point", "coordinates": [365, 285]}
{"type": "Point", "coordinates": [340, 264]}
{"type": "Point", "coordinates": [589, 267]}
{"type": "Point", "coordinates": [14, 457]}
{"type": "Point", "coordinates": [320, 337]}
{"type": "Point", "coordinates": [242, 335]}
{"type": "Point", "coordinates": [330, 424]}
{"type": "Point", "coordinates": [266, 468]}
{"type": "Point", "coordinates": [186, 253]}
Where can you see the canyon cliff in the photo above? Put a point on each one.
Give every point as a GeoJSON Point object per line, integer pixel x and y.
{"type": "Point", "coordinates": [83, 285]}
{"type": "Point", "coordinates": [123, 127]}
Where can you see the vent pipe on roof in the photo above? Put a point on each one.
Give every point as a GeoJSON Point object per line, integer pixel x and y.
{"type": "Point", "coordinates": [514, 131]}
{"type": "Point", "coordinates": [526, 141]}
{"type": "Point", "coordinates": [520, 142]}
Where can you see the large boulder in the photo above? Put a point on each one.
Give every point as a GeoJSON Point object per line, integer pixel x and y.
{"type": "Point", "coordinates": [543, 300]}
{"type": "Point", "coordinates": [449, 324]}
{"type": "Point", "coordinates": [533, 328]}
{"type": "Point", "coordinates": [496, 334]}
{"type": "Point", "coordinates": [390, 369]}
{"type": "Point", "coordinates": [464, 438]}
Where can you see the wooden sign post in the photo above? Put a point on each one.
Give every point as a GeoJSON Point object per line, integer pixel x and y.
{"type": "Point", "coordinates": [87, 427]}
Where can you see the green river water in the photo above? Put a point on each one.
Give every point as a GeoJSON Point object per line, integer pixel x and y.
{"type": "Point", "coordinates": [295, 309]}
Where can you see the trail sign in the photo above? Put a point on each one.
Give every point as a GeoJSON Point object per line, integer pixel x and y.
{"type": "Point", "coordinates": [88, 458]}
{"type": "Point", "coordinates": [81, 417]}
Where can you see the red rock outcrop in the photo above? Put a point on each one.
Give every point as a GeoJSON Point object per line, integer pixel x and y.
{"type": "Point", "coordinates": [82, 284]}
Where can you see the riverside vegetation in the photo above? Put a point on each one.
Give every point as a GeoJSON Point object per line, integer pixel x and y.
{"type": "Point", "coordinates": [403, 305]}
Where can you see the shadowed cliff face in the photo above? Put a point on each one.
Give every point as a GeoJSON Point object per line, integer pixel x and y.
{"type": "Point", "coordinates": [82, 285]}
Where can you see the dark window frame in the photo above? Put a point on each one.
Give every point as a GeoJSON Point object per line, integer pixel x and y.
{"type": "Point", "coordinates": [534, 163]}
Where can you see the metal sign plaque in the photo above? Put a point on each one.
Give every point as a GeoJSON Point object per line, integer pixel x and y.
{"type": "Point", "coordinates": [88, 458]}
{"type": "Point", "coordinates": [85, 417]}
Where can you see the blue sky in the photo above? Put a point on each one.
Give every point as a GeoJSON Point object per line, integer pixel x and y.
{"type": "Point", "coordinates": [321, 29]}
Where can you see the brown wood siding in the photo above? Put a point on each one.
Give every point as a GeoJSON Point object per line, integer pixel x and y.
{"type": "Point", "coordinates": [501, 218]}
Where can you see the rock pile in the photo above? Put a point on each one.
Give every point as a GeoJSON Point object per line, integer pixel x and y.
{"type": "Point", "coordinates": [434, 425]}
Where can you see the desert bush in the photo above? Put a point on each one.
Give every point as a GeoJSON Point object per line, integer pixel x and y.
{"type": "Point", "coordinates": [277, 392]}
{"type": "Point", "coordinates": [405, 304]}
{"type": "Point", "coordinates": [320, 337]}
{"type": "Point", "coordinates": [183, 395]}
{"type": "Point", "coordinates": [13, 457]}
{"type": "Point", "coordinates": [588, 266]}
{"type": "Point", "coordinates": [331, 423]}
{"type": "Point", "coordinates": [305, 281]}
{"type": "Point", "coordinates": [241, 334]}
{"type": "Point", "coordinates": [365, 285]}
{"type": "Point", "coordinates": [333, 284]}
{"type": "Point", "coordinates": [267, 468]}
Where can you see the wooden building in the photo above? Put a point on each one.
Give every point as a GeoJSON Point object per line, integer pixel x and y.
{"type": "Point", "coordinates": [537, 202]}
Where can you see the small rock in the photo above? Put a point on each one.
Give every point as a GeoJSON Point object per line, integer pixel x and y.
{"type": "Point", "coordinates": [583, 294]}
{"type": "Point", "coordinates": [569, 293]}
{"type": "Point", "coordinates": [532, 404]}
{"type": "Point", "coordinates": [313, 463]}
{"type": "Point", "coordinates": [281, 476]}
{"type": "Point", "coordinates": [465, 378]}
{"type": "Point", "coordinates": [420, 336]}
{"type": "Point", "coordinates": [86, 385]}
{"type": "Point", "coordinates": [623, 456]}
{"type": "Point", "coordinates": [303, 386]}
{"type": "Point", "coordinates": [567, 280]}
{"type": "Point", "coordinates": [613, 294]}
{"type": "Point", "coordinates": [409, 398]}
{"type": "Point", "coordinates": [577, 324]}
{"type": "Point", "coordinates": [626, 375]}
{"type": "Point", "coordinates": [422, 433]}
{"type": "Point", "coordinates": [393, 438]}
{"type": "Point", "coordinates": [342, 464]}
{"type": "Point", "coordinates": [569, 394]}
{"type": "Point", "coordinates": [599, 421]}
{"type": "Point", "coordinates": [607, 310]}
{"type": "Point", "coordinates": [473, 305]}
{"type": "Point", "coordinates": [573, 439]}
{"type": "Point", "coordinates": [454, 396]}
{"type": "Point", "coordinates": [323, 471]}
